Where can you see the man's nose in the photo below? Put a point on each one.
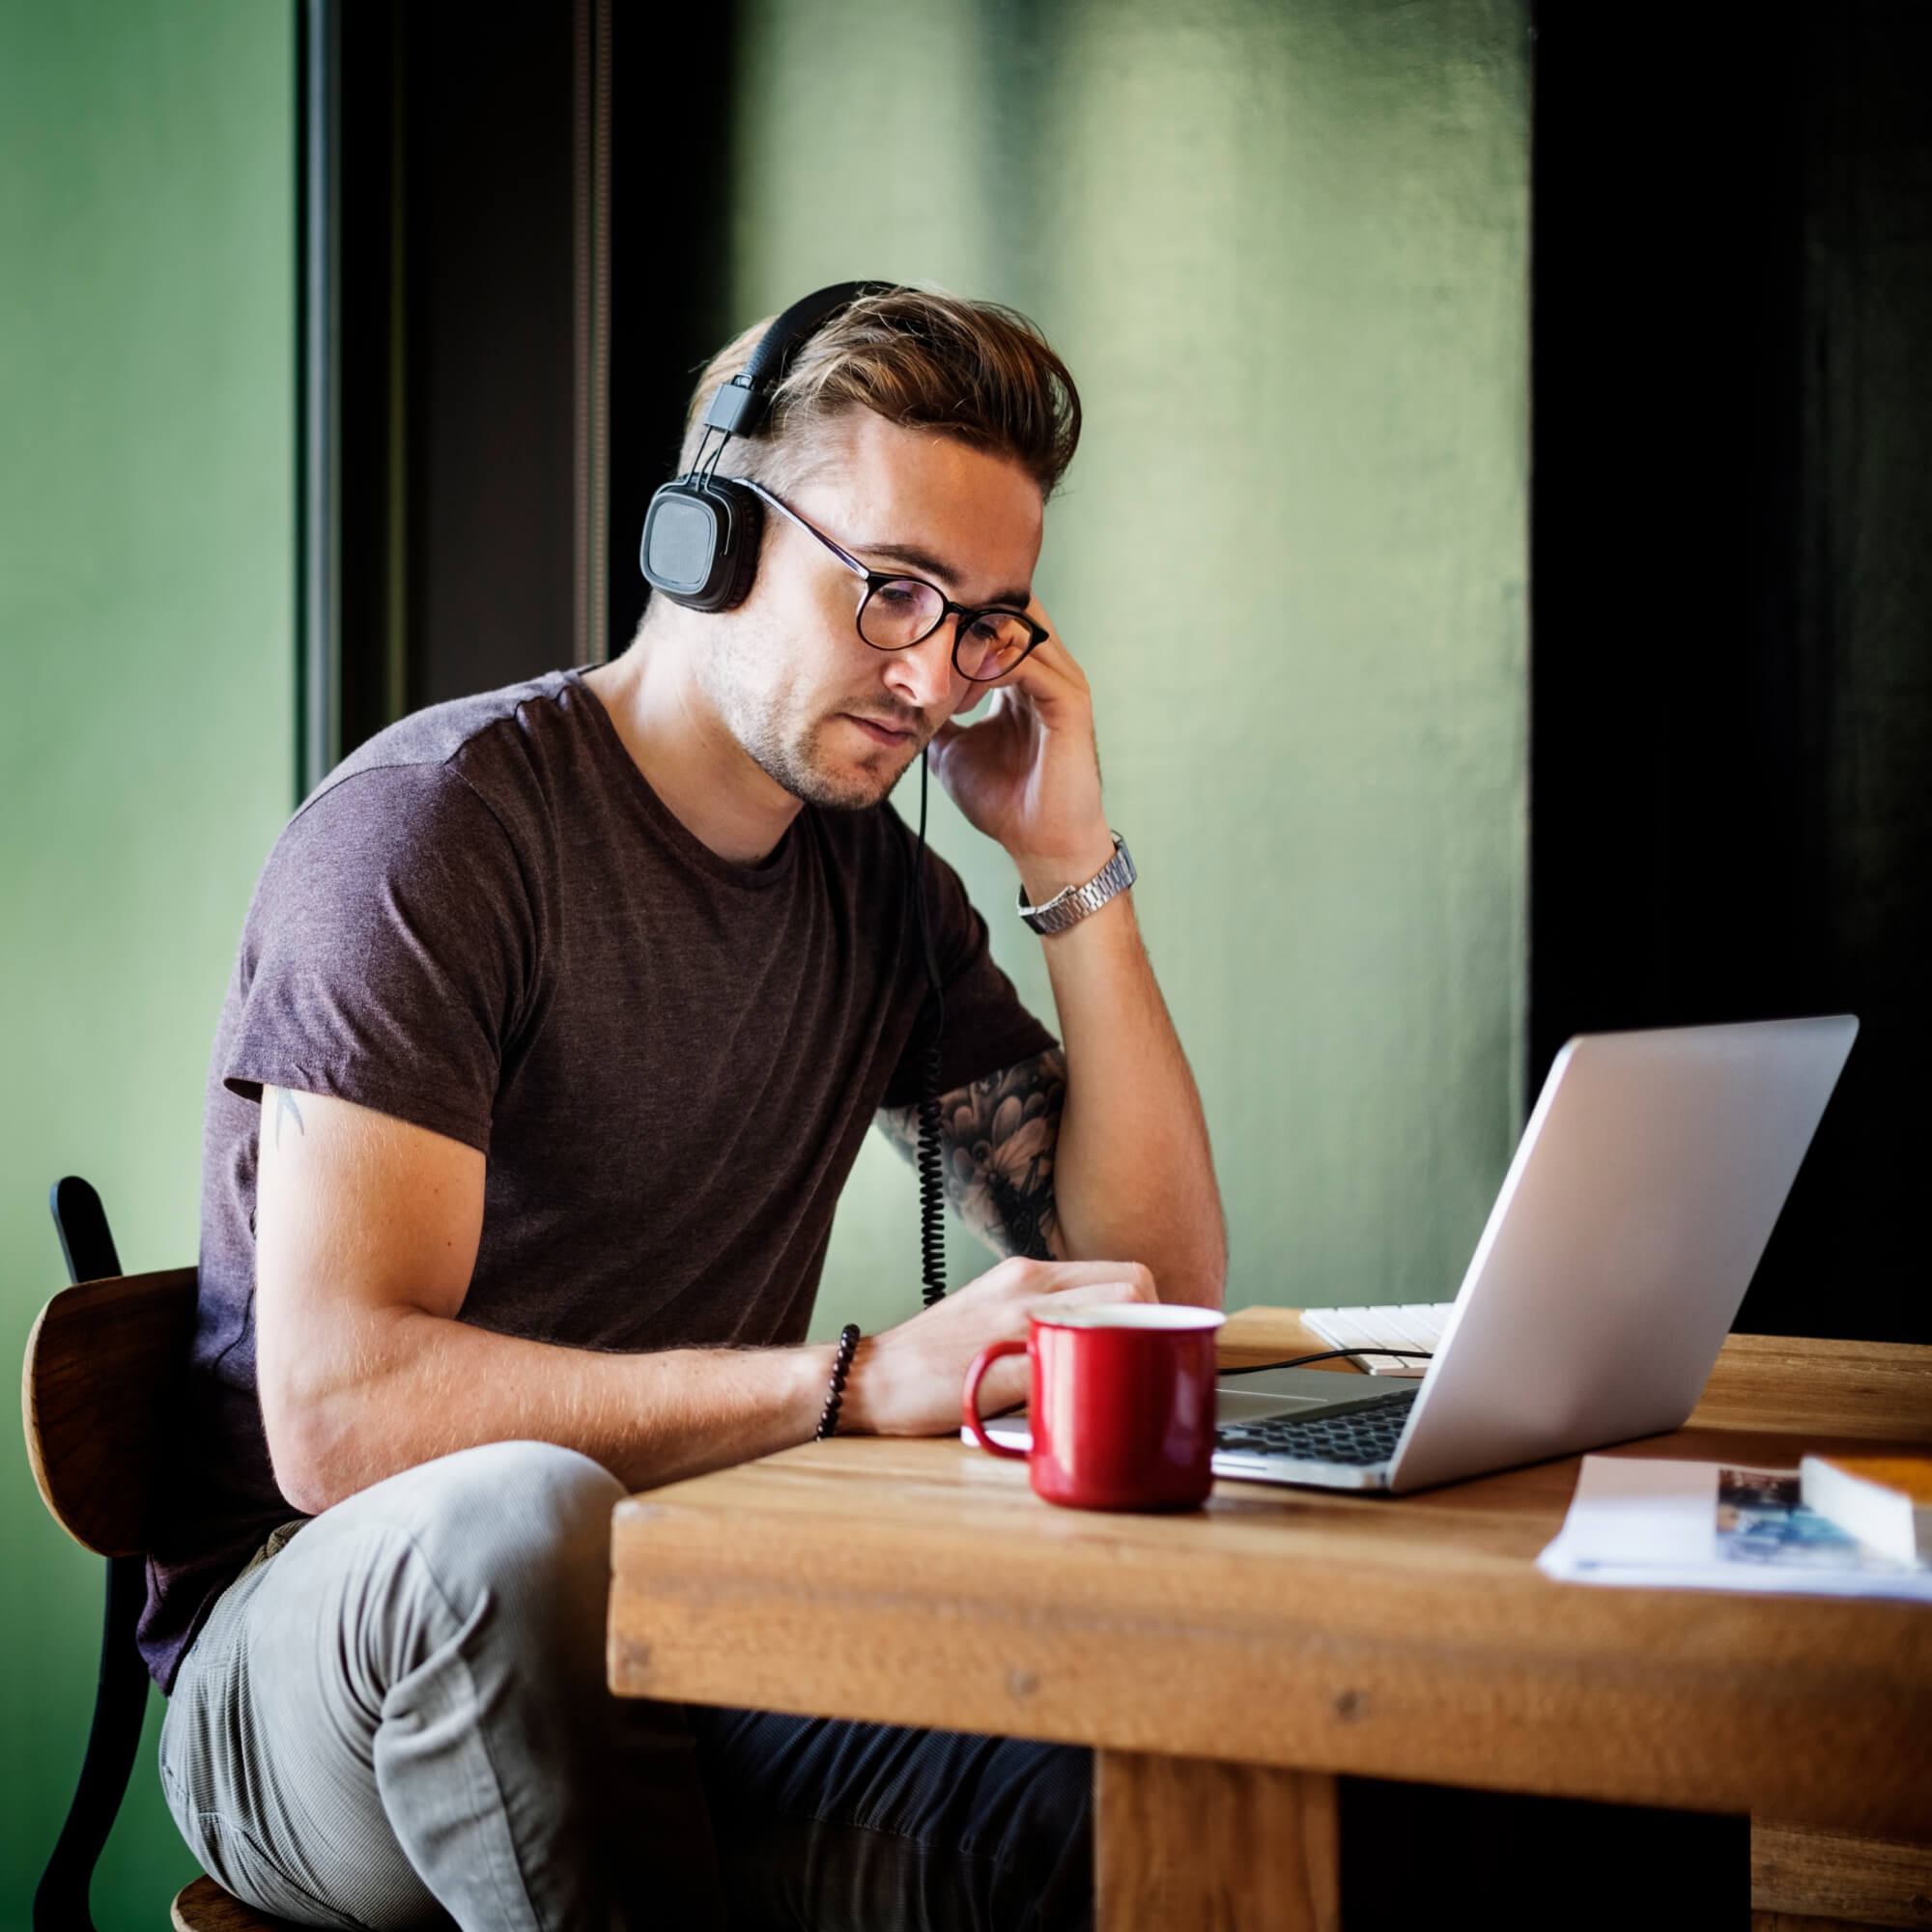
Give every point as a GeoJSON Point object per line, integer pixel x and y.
{"type": "Point", "coordinates": [922, 674]}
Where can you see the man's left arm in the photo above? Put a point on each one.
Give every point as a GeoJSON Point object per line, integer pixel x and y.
{"type": "Point", "coordinates": [998, 1138]}
{"type": "Point", "coordinates": [1112, 1162]}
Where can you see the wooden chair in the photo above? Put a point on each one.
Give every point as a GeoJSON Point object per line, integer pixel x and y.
{"type": "Point", "coordinates": [103, 1363]}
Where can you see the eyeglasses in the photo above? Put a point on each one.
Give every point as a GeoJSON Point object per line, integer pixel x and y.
{"type": "Point", "coordinates": [897, 613]}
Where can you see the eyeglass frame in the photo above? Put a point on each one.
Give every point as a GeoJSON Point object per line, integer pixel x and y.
{"type": "Point", "coordinates": [876, 579]}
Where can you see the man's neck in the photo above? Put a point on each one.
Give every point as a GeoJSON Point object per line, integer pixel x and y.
{"type": "Point", "coordinates": [706, 779]}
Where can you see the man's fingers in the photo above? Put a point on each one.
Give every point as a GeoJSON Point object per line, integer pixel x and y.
{"type": "Point", "coordinates": [1032, 1283]}
{"type": "Point", "coordinates": [1085, 1274]}
{"type": "Point", "coordinates": [1099, 1295]}
{"type": "Point", "coordinates": [1050, 682]}
{"type": "Point", "coordinates": [1091, 1285]}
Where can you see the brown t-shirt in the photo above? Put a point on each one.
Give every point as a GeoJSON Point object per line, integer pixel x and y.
{"type": "Point", "coordinates": [487, 924]}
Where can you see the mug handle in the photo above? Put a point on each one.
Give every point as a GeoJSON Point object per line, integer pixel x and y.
{"type": "Point", "coordinates": [969, 1400]}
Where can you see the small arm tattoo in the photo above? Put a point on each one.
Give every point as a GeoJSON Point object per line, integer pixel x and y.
{"type": "Point", "coordinates": [285, 1104]}
{"type": "Point", "coordinates": [997, 1139]}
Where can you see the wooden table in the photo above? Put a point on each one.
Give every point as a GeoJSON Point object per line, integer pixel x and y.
{"type": "Point", "coordinates": [1225, 1665]}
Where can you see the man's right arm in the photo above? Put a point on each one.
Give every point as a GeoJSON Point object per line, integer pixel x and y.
{"type": "Point", "coordinates": [366, 1236]}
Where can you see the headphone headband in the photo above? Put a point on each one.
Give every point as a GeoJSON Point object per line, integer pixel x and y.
{"type": "Point", "coordinates": [741, 405]}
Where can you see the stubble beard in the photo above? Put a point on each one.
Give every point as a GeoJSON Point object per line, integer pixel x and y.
{"type": "Point", "coordinates": [791, 754]}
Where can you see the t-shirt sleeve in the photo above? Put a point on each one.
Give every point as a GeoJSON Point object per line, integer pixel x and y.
{"type": "Point", "coordinates": [988, 1026]}
{"type": "Point", "coordinates": [389, 954]}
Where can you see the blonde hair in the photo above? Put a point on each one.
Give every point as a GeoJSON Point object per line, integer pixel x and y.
{"type": "Point", "coordinates": [973, 370]}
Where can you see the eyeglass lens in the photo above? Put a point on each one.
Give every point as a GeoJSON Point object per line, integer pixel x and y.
{"type": "Point", "coordinates": [900, 612]}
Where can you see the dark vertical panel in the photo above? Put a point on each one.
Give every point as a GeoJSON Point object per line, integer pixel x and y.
{"type": "Point", "coordinates": [456, 241]}
{"type": "Point", "coordinates": [351, 215]}
{"type": "Point", "coordinates": [670, 262]}
{"type": "Point", "coordinates": [591, 305]}
{"type": "Point", "coordinates": [1665, 243]}
{"type": "Point", "coordinates": [491, 328]}
{"type": "Point", "coordinates": [1867, 650]}
{"type": "Point", "coordinates": [372, 317]}
{"type": "Point", "coordinates": [1720, 709]}
{"type": "Point", "coordinates": [318, 389]}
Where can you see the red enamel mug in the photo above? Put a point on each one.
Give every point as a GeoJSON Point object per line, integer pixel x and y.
{"type": "Point", "coordinates": [1122, 1407]}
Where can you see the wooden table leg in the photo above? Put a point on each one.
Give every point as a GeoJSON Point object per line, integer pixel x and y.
{"type": "Point", "coordinates": [1211, 1846]}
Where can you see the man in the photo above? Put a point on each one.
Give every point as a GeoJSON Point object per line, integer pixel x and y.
{"type": "Point", "coordinates": [557, 1022]}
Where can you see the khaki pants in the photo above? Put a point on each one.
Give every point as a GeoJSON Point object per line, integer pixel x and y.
{"type": "Point", "coordinates": [396, 1716]}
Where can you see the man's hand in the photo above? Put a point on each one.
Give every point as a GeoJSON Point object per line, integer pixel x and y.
{"type": "Point", "coordinates": [1029, 773]}
{"type": "Point", "coordinates": [907, 1380]}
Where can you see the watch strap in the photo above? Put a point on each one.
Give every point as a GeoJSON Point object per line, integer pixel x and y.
{"type": "Point", "coordinates": [1070, 907]}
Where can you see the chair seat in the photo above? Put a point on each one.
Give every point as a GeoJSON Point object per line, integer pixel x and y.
{"type": "Point", "coordinates": [204, 1907]}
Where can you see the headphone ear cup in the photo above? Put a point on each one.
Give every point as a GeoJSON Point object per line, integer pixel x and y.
{"type": "Point", "coordinates": [700, 542]}
{"type": "Point", "coordinates": [745, 537]}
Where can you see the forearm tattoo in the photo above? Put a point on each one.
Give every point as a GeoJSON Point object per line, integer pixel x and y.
{"type": "Point", "coordinates": [997, 1142]}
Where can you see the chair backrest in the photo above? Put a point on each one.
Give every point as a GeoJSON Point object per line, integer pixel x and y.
{"type": "Point", "coordinates": [102, 1365]}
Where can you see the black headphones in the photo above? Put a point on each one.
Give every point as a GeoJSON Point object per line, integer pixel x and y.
{"type": "Point", "coordinates": [702, 532]}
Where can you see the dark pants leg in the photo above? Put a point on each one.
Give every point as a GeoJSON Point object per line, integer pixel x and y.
{"type": "Point", "coordinates": [869, 1827]}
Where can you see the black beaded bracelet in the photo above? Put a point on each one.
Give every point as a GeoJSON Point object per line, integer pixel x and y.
{"type": "Point", "coordinates": [849, 1341]}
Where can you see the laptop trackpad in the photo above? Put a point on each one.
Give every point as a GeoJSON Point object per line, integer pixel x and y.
{"type": "Point", "coordinates": [1267, 1392]}
{"type": "Point", "coordinates": [1244, 1405]}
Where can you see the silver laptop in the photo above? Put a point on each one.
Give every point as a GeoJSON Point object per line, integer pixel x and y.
{"type": "Point", "coordinates": [1614, 1261]}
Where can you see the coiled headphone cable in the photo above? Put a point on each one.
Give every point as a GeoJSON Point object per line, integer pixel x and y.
{"type": "Point", "coordinates": [931, 1174]}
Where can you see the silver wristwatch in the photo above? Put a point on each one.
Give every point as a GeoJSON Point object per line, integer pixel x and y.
{"type": "Point", "coordinates": [1071, 906]}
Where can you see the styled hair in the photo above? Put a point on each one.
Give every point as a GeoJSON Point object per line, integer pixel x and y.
{"type": "Point", "coordinates": [973, 370]}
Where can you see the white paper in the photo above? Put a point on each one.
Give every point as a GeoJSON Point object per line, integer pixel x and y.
{"type": "Point", "coordinates": [1656, 1524]}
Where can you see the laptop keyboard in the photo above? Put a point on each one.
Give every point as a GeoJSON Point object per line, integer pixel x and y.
{"type": "Point", "coordinates": [1359, 1437]}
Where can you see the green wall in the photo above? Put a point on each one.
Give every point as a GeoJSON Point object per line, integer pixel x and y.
{"type": "Point", "coordinates": [146, 601]}
{"type": "Point", "coordinates": [1283, 245]}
